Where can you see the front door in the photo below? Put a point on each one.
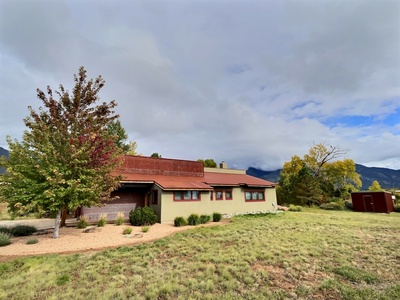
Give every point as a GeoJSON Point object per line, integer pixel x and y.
{"type": "Point", "coordinates": [368, 203]}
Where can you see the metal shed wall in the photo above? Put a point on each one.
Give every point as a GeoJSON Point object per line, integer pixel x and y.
{"type": "Point", "coordinates": [372, 202]}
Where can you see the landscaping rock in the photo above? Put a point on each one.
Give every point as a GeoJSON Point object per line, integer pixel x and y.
{"type": "Point", "coordinates": [135, 235]}
{"type": "Point", "coordinates": [89, 229]}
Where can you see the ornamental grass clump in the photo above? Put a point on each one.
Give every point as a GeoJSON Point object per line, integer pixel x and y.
{"type": "Point", "coordinates": [102, 220]}
{"type": "Point", "coordinates": [180, 221]}
{"type": "Point", "coordinates": [83, 222]}
{"type": "Point", "coordinates": [5, 239]}
{"type": "Point", "coordinates": [295, 208]}
{"type": "Point", "coordinates": [216, 217]}
{"type": "Point", "coordinates": [204, 219]}
{"type": "Point", "coordinates": [32, 241]}
{"type": "Point", "coordinates": [145, 229]}
{"type": "Point", "coordinates": [120, 219]}
{"type": "Point", "coordinates": [127, 230]}
{"type": "Point", "coordinates": [193, 220]}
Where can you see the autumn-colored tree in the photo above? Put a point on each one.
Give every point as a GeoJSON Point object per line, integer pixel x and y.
{"type": "Point", "coordinates": [375, 187]}
{"type": "Point", "coordinates": [66, 157]}
{"type": "Point", "coordinates": [317, 177]}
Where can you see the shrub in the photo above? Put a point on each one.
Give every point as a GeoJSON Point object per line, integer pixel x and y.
{"type": "Point", "coordinates": [204, 219]}
{"type": "Point", "coordinates": [83, 222]}
{"type": "Point", "coordinates": [216, 217]}
{"type": "Point", "coordinates": [127, 230]}
{"type": "Point", "coordinates": [193, 219]}
{"type": "Point", "coordinates": [145, 228]}
{"type": "Point", "coordinates": [120, 219]}
{"type": "Point", "coordinates": [180, 221]}
{"type": "Point", "coordinates": [397, 208]}
{"type": "Point", "coordinates": [5, 230]}
{"type": "Point", "coordinates": [32, 241]}
{"type": "Point", "coordinates": [295, 208]}
{"type": "Point", "coordinates": [102, 220]}
{"type": "Point", "coordinates": [142, 216]}
{"type": "Point", "coordinates": [5, 239]}
{"type": "Point", "coordinates": [22, 230]}
{"type": "Point", "coordinates": [332, 206]}
{"type": "Point", "coordinates": [348, 204]}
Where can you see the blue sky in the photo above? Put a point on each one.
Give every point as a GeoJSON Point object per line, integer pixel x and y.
{"type": "Point", "coordinates": [250, 82]}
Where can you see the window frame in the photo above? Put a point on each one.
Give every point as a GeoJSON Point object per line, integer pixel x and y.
{"type": "Point", "coordinates": [226, 195]}
{"type": "Point", "coordinates": [257, 198]}
{"type": "Point", "coordinates": [187, 199]}
{"type": "Point", "coordinates": [216, 195]}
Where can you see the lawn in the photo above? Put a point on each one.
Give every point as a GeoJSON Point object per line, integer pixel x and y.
{"type": "Point", "coordinates": [313, 254]}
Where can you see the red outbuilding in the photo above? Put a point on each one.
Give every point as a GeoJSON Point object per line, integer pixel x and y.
{"type": "Point", "coordinates": [372, 202]}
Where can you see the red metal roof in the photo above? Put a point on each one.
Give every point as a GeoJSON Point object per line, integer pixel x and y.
{"type": "Point", "coordinates": [169, 182]}
{"type": "Point", "coordinates": [224, 179]}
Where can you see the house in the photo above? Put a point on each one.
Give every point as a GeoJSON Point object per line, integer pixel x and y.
{"type": "Point", "coordinates": [175, 187]}
{"type": "Point", "coordinates": [372, 202]}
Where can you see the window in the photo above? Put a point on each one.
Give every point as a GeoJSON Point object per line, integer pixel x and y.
{"type": "Point", "coordinates": [187, 196]}
{"type": "Point", "coordinates": [219, 195]}
{"type": "Point", "coordinates": [228, 195]}
{"type": "Point", "coordinates": [154, 199]}
{"type": "Point", "coordinates": [254, 195]}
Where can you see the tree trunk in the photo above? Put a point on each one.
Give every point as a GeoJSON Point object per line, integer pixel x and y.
{"type": "Point", "coordinates": [63, 217]}
{"type": "Point", "coordinates": [57, 224]}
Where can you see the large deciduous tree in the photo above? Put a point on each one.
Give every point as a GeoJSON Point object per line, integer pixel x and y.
{"type": "Point", "coordinates": [317, 177]}
{"type": "Point", "coordinates": [67, 157]}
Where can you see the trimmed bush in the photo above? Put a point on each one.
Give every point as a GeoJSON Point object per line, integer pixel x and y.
{"type": "Point", "coordinates": [204, 219]}
{"type": "Point", "coordinates": [120, 219]}
{"type": "Point", "coordinates": [5, 230]}
{"type": "Point", "coordinates": [180, 221]}
{"type": "Point", "coordinates": [143, 216]}
{"type": "Point", "coordinates": [216, 217]}
{"type": "Point", "coordinates": [193, 220]}
{"type": "Point", "coordinates": [127, 230]}
{"type": "Point", "coordinates": [5, 239]}
{"type": "Point", "coordinates": [102, 220]}
{"type": "Point", "coordinates": [295, 208]}
{"type": "Point", "coordinates": [32, 241]}
{"type": "Point", "coordinates": [22, 230]}
{"type": "Point", "coordinates": [332, 206]}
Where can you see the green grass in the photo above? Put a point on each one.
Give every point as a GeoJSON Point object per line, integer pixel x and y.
{"type": "Point", "coordinates": [313, 254]}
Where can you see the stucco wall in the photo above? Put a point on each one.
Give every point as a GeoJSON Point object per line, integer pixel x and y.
{"type": "Point", "coordinates": [172, 209]}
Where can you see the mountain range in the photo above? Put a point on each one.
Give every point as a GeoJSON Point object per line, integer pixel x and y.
{"type": "Point", "coordinates": [387, 178]}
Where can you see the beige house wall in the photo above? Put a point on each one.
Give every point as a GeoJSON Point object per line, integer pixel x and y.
{"type": "Point", "coordinates": [172, 209]}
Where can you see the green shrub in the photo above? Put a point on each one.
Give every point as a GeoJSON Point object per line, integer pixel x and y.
{"type": "Point", "coordinates": [216, 217]}
{"type": "Point", "coordinates": [5, 230]}
{"type": "Point", "coordinates": [120, 219]}
{"type": "Point", "coordinates": [332, 206]}
{"type": "Point", "coordinates": [5, 239]}
{"type": "Point", "coordinates": [397, 208]}
{"type": "Point", "coordinates": [22, 230]}
{"type": "Point", "coordinates": [348, 204]}
{"type": "Point", "coordinates": [127, 230]}
{"type": "Point", "coordinates": [295, 208]}
{"type": "Point", "coordinates": [83, 222]}
{"type": "Point", "coordinates": [180, 221]}
{"type": "Point", "coordinates": [32, 241]}
{"type": "Point", "coordinates": [145, 228]}
{"type": "Point", "coordinates": [102, 220]}
{"type": "Point", "coordinates": [204, 219]}
{"type": "Point", "coordinates": [193, 220]}
{"type": "Point", "coordinates": [142, 216]}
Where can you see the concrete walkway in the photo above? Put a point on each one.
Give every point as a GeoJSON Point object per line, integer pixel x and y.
{"type": "Point", "coordinates": [40, 224]}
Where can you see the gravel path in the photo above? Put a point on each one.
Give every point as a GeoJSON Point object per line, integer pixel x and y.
{"type": "Point", "coordinates": [73, 240]}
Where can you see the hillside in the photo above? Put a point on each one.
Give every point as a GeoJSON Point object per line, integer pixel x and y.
{"type": "Point", "coordinates": [387, 178]}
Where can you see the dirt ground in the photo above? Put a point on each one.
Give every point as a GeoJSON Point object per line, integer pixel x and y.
{"type": "Point", "coordinates": [74, 240]}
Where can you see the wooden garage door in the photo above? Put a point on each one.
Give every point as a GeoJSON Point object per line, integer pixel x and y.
{"type": "Point", "coordinates": [128, 200]}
